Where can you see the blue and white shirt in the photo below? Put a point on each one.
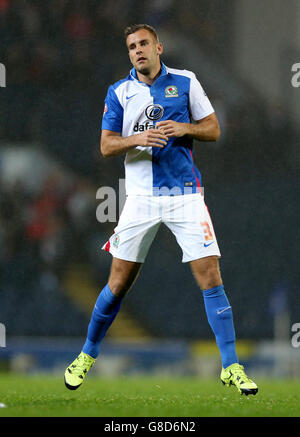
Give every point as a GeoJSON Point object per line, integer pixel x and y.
{"type": "Point", "coordinates": [132, 106]}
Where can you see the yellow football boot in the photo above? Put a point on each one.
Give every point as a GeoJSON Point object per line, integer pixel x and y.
{"type": "Point", "coordinates": [235, 375]}
{"type": "Point", "coordinates": [76, 371]}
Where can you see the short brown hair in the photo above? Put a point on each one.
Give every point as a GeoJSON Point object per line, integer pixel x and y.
{"type": "Point", "coordinates": [135, 27]}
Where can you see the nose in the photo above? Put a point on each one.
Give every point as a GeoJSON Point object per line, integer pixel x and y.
{"type": "Point", "coordinates": [138, 50]}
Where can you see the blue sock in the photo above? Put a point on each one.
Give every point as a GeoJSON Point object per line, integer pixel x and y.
{"type": "Point", "coordinates": [219, 315]}
{"type": "Point", "coordinates": [106, 308]}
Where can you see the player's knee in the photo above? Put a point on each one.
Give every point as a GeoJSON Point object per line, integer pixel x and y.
{"type": "Point", "coordinates": [120, 284]}
{"type": "Point", "coordinates": [119, 287]}
{"type": "Point", "coordinates": [122, 276]}
{"type": "Point", "coordinates": [209, 278]}
{"type": "Point", "coordinates": [210, 282]}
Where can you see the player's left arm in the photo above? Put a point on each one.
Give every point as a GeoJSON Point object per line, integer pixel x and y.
{"type": "Point", "coordinates": [206, 129]}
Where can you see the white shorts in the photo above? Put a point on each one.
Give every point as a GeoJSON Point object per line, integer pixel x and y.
{"type": "Point", "coordinates": [186, 216]}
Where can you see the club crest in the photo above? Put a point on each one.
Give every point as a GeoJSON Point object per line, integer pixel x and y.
{"type": "Point", "coordinates": [116, 240]}
{"type": "Point", "coordinates": [171, 91]}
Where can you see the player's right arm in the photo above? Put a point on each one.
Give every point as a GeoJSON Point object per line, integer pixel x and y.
{"type": "Point", "coordinates": [113, 144]}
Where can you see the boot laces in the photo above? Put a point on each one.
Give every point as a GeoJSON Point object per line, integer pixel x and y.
{"type": "Point", "coordinates": [240, 376]}
{"type": "Point", "coordinates": [82, 365]}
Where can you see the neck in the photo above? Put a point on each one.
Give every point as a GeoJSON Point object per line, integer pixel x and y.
{"type": "Point", "coordinates": [151, 77]}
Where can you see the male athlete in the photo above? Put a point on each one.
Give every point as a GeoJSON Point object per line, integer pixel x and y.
{"type": "Point", "coordinates": [148, 116]}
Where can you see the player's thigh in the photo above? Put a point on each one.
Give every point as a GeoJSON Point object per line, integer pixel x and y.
{"type": "Point", "coordinates": [122, 275]}
{"type": "Point", "coordinates": [189, 220]}
{"type": "Point", "coordinates": [136, 229]}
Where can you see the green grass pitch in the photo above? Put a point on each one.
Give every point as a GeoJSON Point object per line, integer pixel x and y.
{"type": "Point", "coordinates": [46, 396]}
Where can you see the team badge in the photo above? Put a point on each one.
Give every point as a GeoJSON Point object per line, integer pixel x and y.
{"type": "Point", "coordinates": [116, 240]}
{"type": "Point", "coordinates": [171, 91]}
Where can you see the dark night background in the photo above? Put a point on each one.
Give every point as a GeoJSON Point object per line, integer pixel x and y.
{"type": "Point", "coordinates": [60, 57]}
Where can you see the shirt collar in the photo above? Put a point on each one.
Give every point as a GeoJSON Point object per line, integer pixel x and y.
{"type": "Point", "coordinates": [163, 72]}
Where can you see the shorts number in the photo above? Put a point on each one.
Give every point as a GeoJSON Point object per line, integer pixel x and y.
{"type": "Point", "coordinates": [207, 232]}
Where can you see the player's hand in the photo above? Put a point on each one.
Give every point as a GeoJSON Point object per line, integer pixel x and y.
{"type": "Point", "coordinates": [152, 138]}
{"type": "Point", "coordinates": [172, 128]}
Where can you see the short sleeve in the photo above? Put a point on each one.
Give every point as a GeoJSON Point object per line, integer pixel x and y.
{"type": "Point", "coordinates": [113, 112]}
{"type": "Point", "coordinates": [199, 103]}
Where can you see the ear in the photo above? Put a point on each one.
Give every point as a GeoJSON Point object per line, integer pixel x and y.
{"type": "Point", "coordinates": [160, 48]}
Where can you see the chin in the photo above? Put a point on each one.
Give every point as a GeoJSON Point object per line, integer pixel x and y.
{"type": "Point", "coordinates": [143, 70]}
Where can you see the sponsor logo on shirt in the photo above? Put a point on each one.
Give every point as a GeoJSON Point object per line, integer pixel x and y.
{"type": "Point", "coordinates": [154, 112]}
{"type": "Point", "coordinates": [139, 127]}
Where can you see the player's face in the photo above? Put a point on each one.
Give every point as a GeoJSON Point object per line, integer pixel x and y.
{"type": "Point", "coordinates": [144, 51]}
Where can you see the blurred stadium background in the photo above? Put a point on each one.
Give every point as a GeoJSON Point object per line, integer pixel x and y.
{"type": "Point", "coordinates": [60, 56]}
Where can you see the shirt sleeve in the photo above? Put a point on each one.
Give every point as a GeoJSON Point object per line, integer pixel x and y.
{"type": "Point", "coordinates": [113, 112]}
{"type": "Point", "coordinates": [200, 105]}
